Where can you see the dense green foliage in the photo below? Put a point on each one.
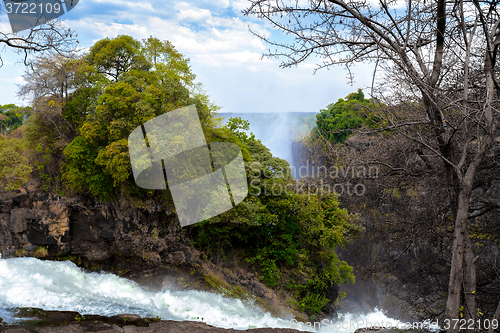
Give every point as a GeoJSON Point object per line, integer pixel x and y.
{"type": "Point", "coordinates": [289, 237]}
{"type": "Point", "coordinates": [97, 160]}
{"type": "Point", "coordinates": [336, 122]}
{"type": "Point", "coordinates": [292, 244]}
{"type": "Point", "coordinates": [12, 117]}
{"type": "Point", "coordinates": [14, 165]}
{"type": "Point", "coordinates": [116, 56]}
{"type": "Point", "coordinates": [78, 139]}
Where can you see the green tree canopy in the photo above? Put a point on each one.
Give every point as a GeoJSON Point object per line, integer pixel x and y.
{"type": "Point", "coordinates": [14, 164]}
{"type": "Point", "coordinates": [336, 122]}
{"type": "Point", "coordinates": [167, 60]}
{"type": "Point", "coordinates": [153, 79]}
{"type": "Point", "coordinates": [12, 117]}
{"type": "Point", "coordinates": [116, 56]}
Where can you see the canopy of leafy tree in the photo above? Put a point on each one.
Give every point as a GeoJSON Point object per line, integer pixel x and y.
{"type": "Point", "coordinates": [106, 111]}
{"type": "Point", "coordinates": [14, 165]}
{"type": "Point", "coordinates": [82, 130]}
{"type": "Point", "coordinates": [336, 122]}
{"type": "Point", "coordinates": [12, 117]}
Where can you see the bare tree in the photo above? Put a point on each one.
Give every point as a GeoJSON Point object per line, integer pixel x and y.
{"type": "Point", "coordinates": [49, 81]}
{"type": "Point", "coordinates": [431, 49]}
{"type": "Point", "coordinates": [49, 75]}
{"type": "Point", "coordinates": [51, 36]}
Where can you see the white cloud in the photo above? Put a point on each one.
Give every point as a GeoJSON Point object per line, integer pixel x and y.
{"type": "Point", "coordinates": [239, 5]}
{"type": "Point", "coordinates": [224, 55]}
{"type": "Point", "coordinates": [188, 12]}
{"type": "Point", "coordinates": [4, 24]}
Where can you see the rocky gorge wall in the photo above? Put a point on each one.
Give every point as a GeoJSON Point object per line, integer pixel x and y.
{"type": "Point", "coordinates": [408, 278]}
{"type": "Point", "coordinates": [116, 238]}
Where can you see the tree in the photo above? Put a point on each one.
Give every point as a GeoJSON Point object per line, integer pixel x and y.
{"type": "Point", "coordinates": [50, 80]}
{"type": "Point", "coordinates": [440, 54]}
{"type": "Point", "coordinates": [98, 160]}
{"type": "Point", "coordinates": [337, 121]}
{"type": "Point", "coordinates": [166, 59]}
{"type": "Point", "coordinates": [114, 57]}
{"type": "Point", "coordinates": [51, 75]}
{"type": "Point", "coordinates": [105, 111]}
{"type": "Point", "coordinates": [11, 117]}
{"type": "Point", "coordinates": [50, 37]}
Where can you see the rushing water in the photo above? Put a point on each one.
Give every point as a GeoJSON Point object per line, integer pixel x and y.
{"type": "Point", "coordinates": [29, 282]}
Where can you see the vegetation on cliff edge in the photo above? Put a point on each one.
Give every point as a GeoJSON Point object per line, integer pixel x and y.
{"type": "Point", "coordinates": [83, 110]}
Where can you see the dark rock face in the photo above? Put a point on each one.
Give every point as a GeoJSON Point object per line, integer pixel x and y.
{"type": "Point", "coordinates": [133, 243]}
{"type": "Point", "coordinates": [411, 289]}
{"type": "Point", "coordinates": [30, 222]}
{"type": "Point", "coordinates": [414, 285]}
{"type": "Point", "coordinates": [102, 235]}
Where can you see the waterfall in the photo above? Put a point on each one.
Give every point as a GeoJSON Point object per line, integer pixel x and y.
{"type": "Point", "coordinates": [62, 286]}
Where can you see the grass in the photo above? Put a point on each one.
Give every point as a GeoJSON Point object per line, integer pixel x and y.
{"type": "Point", "coordinates": [225, 288]}
{"type": "Point", "coordinates": [41, 252]}
{"type": "Point", "coordinates": [75, 259]}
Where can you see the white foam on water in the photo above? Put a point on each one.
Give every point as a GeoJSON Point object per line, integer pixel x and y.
{"type": "Point", "coordinates": [348, 323]}
{"type": "Point", "coordinates": [51, 285]}
{"type": "Point", "coordinates": [29, 282]}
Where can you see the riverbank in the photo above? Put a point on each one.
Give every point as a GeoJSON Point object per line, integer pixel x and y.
{"type": "Point", "coordinates": [41, 321]}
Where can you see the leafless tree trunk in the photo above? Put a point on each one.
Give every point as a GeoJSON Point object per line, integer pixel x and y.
{"type": "Point", "coordinates": [495, 316]}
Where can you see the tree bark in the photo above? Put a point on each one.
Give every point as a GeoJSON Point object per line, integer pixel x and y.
{"type": "Point", "coordinates": [457, 262]}
{"type": "Point", "coordinates": [495, 316]}
{"type": "Point", "coordinates": [470, 312]}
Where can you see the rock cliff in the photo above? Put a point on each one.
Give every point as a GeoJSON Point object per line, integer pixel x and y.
{"type": "Point", "coordinates": [66, 321]}
{"type": "Point", "coordinates": [131, 242]}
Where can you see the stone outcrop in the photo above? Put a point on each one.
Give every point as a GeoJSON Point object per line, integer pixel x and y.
{"type": "Point", "coordinates": [72, 322]}
{"type": "Point", "coordinates": [41, 321]}
{"type": "Point", "coordinates": [146, 246]}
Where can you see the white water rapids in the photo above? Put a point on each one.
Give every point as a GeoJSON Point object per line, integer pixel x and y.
{"type": "Point", "coordinates": [29, 282]}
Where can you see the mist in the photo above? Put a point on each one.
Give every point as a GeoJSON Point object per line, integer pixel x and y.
{"type": "Point", "coordinates": [280, 132]}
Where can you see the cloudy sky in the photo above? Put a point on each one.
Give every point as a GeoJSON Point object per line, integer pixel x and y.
{"type": "Point", "coordinates": [224, 55]}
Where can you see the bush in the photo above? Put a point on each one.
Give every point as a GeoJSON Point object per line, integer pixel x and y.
{"type": "Point", "coordinates": [290, 238]}
{"type": "Point", "coordinates": [14, 164]}
{"type": "Point", "coordinates": [338, 120]}
{"type": "Point", "coordinates": [313, 303]}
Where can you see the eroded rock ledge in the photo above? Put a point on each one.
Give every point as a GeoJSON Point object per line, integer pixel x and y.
{"type": "Point", "coordinates": [41, 321]}
{"type": "Point", "coordinates": [72, 322]}
{"type": "Point", "coordinates": [139, 244]}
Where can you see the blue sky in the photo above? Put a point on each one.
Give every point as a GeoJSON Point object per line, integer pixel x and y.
{"type": "Point", "coordinates": [224, 55]}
